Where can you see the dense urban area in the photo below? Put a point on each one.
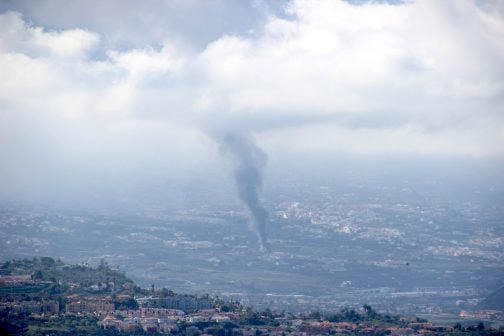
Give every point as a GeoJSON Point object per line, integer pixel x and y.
{"type": "Point", "coordinates": [43, 296]}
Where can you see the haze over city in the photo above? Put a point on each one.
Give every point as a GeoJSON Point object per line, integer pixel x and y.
{"type": "Point", "coordinates": [291, 155]}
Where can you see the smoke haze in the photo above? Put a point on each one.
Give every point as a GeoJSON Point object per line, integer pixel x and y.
{"type": "Point", "coordinates": [249, 161]}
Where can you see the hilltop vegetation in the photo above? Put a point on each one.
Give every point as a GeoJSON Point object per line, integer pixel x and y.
{"type": "Point", "coordinates": [51, 277]}
{"type": "Point", "coordinates": [48, 269]}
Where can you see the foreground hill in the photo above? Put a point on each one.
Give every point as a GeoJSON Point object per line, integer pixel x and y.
{"type": "Point", "coordinates": [39, 278]}
{"type": "Point", "coordinates": [43, 296]}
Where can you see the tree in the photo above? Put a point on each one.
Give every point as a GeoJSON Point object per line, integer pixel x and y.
{"type": "Point", "coordinates": [369, 311]}
{"type": "Point", "coordinates": [316, 315]}
{"type": "Point", "coordinates": [103, 267]}
{"type": "Point", "coordinates": [225, 308]}
{"type": "Point", "coordinates": [351, 315]}
{"type": "Point", "coordinates": [166, 292]}
{"type": "Point", "coordinates": [38, 275]}
{"type": "Point", "coordinates": [268, 313]}
{"type": "Point", "coordinates": [47, 261]}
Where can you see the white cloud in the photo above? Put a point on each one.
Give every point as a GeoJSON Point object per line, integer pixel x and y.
{"type": "Point", "coordinates": [434, 65]}
{"type": "Point", "coordinates": [334, 51]}
{"type": "Point", "coordinates": [18, 37]}
{"type": "Point", "coordinates": [144, 61]}
{"type": "Point", "coordinates": [422, 77]}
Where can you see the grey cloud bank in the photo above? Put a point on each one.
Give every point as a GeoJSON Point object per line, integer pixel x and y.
{"type": "Point", "coordinates": [86, 95]}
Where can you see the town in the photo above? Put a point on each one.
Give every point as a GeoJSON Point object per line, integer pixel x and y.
{"type": "Point", "coordinates": [50, 296]}
{"type": "Point", "coordinates": [395, 247]}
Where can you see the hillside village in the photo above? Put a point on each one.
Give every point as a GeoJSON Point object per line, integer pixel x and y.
{"type": "Point", "coordinates": [47, 296]}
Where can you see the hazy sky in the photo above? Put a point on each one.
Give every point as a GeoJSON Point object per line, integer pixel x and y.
{"type": "Point", "coordinates": [114, 86]}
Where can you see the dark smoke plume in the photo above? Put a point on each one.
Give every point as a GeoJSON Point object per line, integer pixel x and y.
{"type": "Point", "coordinates": [249, 160]}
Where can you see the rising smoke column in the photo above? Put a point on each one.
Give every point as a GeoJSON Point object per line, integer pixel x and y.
{"type": "Point", "coordinates": [249, 160]}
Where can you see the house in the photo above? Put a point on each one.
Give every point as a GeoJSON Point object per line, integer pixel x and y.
{"type": "Point", "coordinates": [79, 307]}
{"type": "Point", "coordinates": [220, 318]}
{"type": "Point", "coordinates": [110, 322]}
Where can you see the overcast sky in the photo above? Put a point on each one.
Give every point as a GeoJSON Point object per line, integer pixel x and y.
{"type": "Point", "coordinates": [128, 85]}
